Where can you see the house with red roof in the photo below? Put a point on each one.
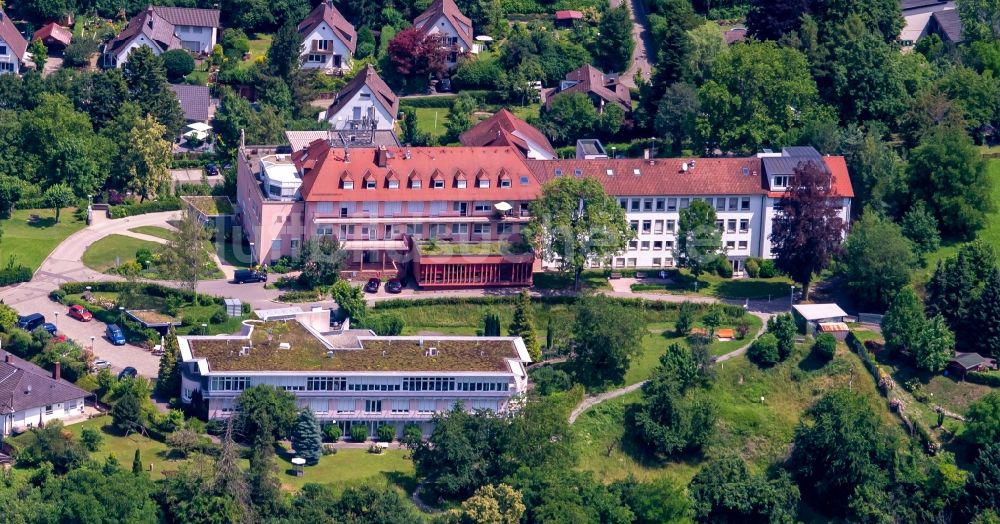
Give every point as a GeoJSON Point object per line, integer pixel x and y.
{"type": "Point", "coordinates": [602, 89]}
{"type": "Point", "coordinates": [567, 17]}
{"type": "Point", "coordinates": [13, 46]}
{"type": "Point", "coordinates": [445, 20]}
{"type": "Point", "coordinates": [503, 128]}
{"type": "Point", "coordinates": [54, 36]}
{"type": "Point", "coordinates": [162, 29]}
{"type": "Point", "coordinates": [328, 39]}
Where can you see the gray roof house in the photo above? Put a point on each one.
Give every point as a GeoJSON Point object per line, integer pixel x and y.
{"type": "Point", "coordinates": [195, 101]}
{"type": "Point", "coordinates": [31, 396]}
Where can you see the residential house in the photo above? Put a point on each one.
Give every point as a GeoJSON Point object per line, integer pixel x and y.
{"type": "Point", "coordinates": [31, 396]}
{"type": "Point", "coordinates": [734, 35]}
{"type": "Point", "coordinates": [947, 25]}
{"type": "Point", "coordinates": [601, 88]}
{"type": "Point", "coordinates": [352, 377]}
{"type": "Point", "coordinates": [366, 102]}
{"type": "Point", "coordinates": [745, 193]}
{"type": "Point", "coordinates": [443, 19]}
{"type": "Point", "coordinates": [503, 128]}
{"type": "Point", "coordinates": [195, 102]}
{"type": "Point", "coordinates": [917, 18]}
{"type": "Point", "coordinates": [13, 47]}
{"type": "Point", "coordinates": [447, 216]}
{"type": "Point", "coordinates": [55, 37]}
{"type": "Point", "coordinates": [328, 39]}
{"type": "Point", "coordinates": [162, 29]}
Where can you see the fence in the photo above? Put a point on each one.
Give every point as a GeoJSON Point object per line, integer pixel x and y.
{"type": "Point", "coordinates": [870, 318]}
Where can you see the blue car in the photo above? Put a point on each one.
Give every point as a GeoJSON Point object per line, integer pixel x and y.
{"type": "Point", "coordinates": [48, 326]}
{"type": "Point", "coordinates": [115, 335]}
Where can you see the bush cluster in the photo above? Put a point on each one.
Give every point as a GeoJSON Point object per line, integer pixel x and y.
{"type": "Point", "coordinates": [152, 206]}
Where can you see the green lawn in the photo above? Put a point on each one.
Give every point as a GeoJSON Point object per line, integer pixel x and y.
{"type": "Point", "coordinates": [552, 280]}
{"type": "Point", "coordinates": [526, 112]}
{"type": "Point", "coordinates": [100, 256]}
{"type": "Point", "coordinates": [155, 231]}
{"type": "Point", "coordinates": [30, 243]}
{"type": "Point", "coordinates": [989, 234]}
{"type": "Point", "coordinates": [259, 46]}
{"type": "Point", "coordinates": [350, 466]}
{"type": "Point", "coordinates": [683, 282]}
{"type": "Point", "coordinates": [757, 409]}
{"type": "Point", "coordinates": [431, 120]}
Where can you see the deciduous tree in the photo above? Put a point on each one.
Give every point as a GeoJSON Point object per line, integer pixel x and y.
{"type": "Point", "coordinates": [569, 116]}
{"type": "Point", "coordinates": [283, 56]}
{"type": "Point", "coordinates": [903, 323]}
{"type": "Point", "coordinates": [415, 53]}
{"type": "Point", "coordinates": [876, 260]}
{"type": "Point", "coordinates": [773, 19]}
{"type": "Point", "coordinates": [809, 228]}
{"type": "Point", "coordinates": [265, 409]}
{"type": "Point", "coordinates": [922, 229]}
{"type": "Point", "coordinates": [58, 197]}
{"type": "Point", "coordinates": [148, 159]}
{"type": "Point", "coordinates": [954, 289]}
{"type": "Point", "coordinates": [699, 241]}
{"type": "Point", "coordinates": [146, 78]}
{"type": "Point", "coordinates": [935, 345]}
{"type": "Point", "coordinates": [982, 422]}
{"type": "Point", "coordinates": [575, 221]}
{"type": "Point", "coordinates": [605, 340]}
{"type": "Point", "coordinates": [764, 350]}
{"type": "Point", "coordinates": [183, 257]}
{"type": "Point", "coordinates": [725, 491]}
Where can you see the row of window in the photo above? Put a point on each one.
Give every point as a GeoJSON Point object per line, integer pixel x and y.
{"type": "Point", "coordinates": [436, 183]}
{"type": "Point", "coordinates": [656, 227]}
{"type": "Point", "coordinates": [413, 230]}
{"type": "Point", "coordinates": [652, 205]}
{"type": "Point", "coordinates": [385, 384]}
{"type": "Point", "coordinates": [230, 383]}
{"type": "Point", "coordinates": [390, 209]}
{"type": "Point", "coordinates": [668, 245]}
{"type": "Point", "coordinates": [632, 262]}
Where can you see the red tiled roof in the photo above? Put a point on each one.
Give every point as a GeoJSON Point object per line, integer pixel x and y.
{"type": "Point", "coordinates": [841, 178]}
{"type": "Point", "coordinates": [569, 14]}
{"type": "Point", "coordinates": [13, 37]}
{"type": "Point", "coordinates": [54, 32]}
{"type": "Point", "coordinates": [326, 12]}
{"type": "Point", "coordinates": [189, 16]}
{"type": "Point", "coordinates": [499, 129]}
{"type": "Point", "coordinates": [447, 8]}
{"type": "Point", "coordinates": [150, 23]}
{"type": "Point", "coordinates": [324, 167]}
{"type": "Point", "coordinates": [374, 82]}
{"type": "Point", "coordinates": [662, 176]}
{"type": "Point", "coordinates": [736, 34]}
{"type": "Point", "coordinates": [592, 80]}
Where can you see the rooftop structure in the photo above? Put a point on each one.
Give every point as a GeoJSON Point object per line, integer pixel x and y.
{"type": "Point", "coordinates": [600, 87]}
{"type": "Point", "coordinates": [30, 395]}
{"type": "Point", "coordinates": [14, 46]}
{"type": "Point", "coordinates": [444, 16]}
{"type": "Point", "coordinates": [54, 35]}
{"type": "Point", "coordinates": [350, 138]}
{"type": "Point", "coordinates": [503, 128]}
{"type": "Point", "coordinates": [195, 101]}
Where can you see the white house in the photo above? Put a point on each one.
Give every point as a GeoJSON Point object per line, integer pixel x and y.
{"type": "Point", "coordinates": [162, 29]}
{"type": "Point", "coordinates": [743, 191]}
{"type": "Point", "coordinates": [13, 46]}
{"type": "Point", "coordinates": [352, 377]}
{"type": "Point", "coordinates": [444, 19]}
{"type": "Point", "coordinates": [31, 396]}
{"type": "Point", "coordinates": [366, 102]}
{"type": "Point", "coordinates": [328, 39]}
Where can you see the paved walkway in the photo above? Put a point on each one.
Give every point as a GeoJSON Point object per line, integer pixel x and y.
{"type": "Point", "coordinates": [640, 62]}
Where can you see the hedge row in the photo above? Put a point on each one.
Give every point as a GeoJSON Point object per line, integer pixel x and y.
{"type": "Point", "coordinates": [986, 379]}
{"type": "Point", "coordinates": [443, 101]}
{"type": "Point", "coordinates": [14, 275]}
{"type": "Point", "coordinates": [150, 289]}
{"type": "Point", "coordinates": [654, 305]}
{"type": "Point", "coordinates": [153, 206]}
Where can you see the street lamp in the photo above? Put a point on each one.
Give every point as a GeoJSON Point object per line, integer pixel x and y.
{"type": "Point", "coordinates": [204, 329]}
{"type": "Point", "coordinates": [56, 322]}
{"type": "Point", "coordinates": [251, 253]}
{"type": "Point", "coordinates": [791, 296]}
{"type": "Point", "coordinates": [121, 314]}
{"type": "Point", "coordinates": [92, 338]}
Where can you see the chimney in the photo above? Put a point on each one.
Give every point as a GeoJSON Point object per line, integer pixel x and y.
{"type": "Point", "coordinates": [57, 372]}
{"type": "Point", "coordinates": [6, 358]}
{"type": "Point", "coordinates": [381, 156]}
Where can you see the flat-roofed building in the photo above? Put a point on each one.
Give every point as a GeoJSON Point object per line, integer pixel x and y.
{"type": "Point", "coordinates": [351, 377]}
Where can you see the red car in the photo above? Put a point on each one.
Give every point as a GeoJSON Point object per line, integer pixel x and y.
{"type": "Point", "coordinates": [80, 313]}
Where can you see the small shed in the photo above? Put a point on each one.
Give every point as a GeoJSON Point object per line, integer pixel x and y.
{"type": "Point", "coordinates": [966, 362]}
{"type": "Point", "coordinates": [55, 37]}
{"type": "Point", "coordinates": [566, 18]}
{"type": "Point", "coordinates": [725, 334]}
{"type": "Point", "coordinates": [813, 315]}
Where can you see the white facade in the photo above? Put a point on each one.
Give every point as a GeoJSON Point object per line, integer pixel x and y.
{"type": "Point", "coordinates": [535, 150]}
{"type": "Point", "coordinates": [364, 104]}
{"type": "Point", "coordinates": [118, 59]}
{"type": "Point", "coordinates": [8, 60]}
{"type": "Point", "coordinates": [770, 211]}
{"type": "Point", "coordinates": [655, 221]}
{"type": "Point", "coordinates": [34, 417]}
{"type": "Point", "coordinates": [197, 39]}
{"type": "Point", "coordinates": [323, 49]}
{"type": "Point", "coordinates": [451, 39]}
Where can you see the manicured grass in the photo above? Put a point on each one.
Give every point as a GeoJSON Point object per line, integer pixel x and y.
{"type": "Point", "coordinates": [210, 205]}
{"type": "Point", "coordinates": [683, 282]}
{"type": "Point", "coordinates": [155, 231]}
{"type": "Point", "coordinates": [30, 243]}
{"type": "Point", "coordinates": [466, 248]}
{"type": "Point", "coordinates": [552, 280]}
{"type": "Point", "coordinates": [431, 120]}
{"type": "Point", "coordinates": [100, 256]}
{"type": "Point", "coordinates": [989, 234]}
{"type": "Point", "coordinates": [758, 410]}
{"type": "Point", "coordinates": [526, 112]}
{"type": "Point", "coordinates": [199, 76]}
{"type": "Point", "coordinates": [351, 466]}
{"type": "Point", "coordinates": [259, 46]}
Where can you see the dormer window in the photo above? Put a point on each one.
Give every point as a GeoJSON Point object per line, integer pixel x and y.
{"type": "Point", "coordinates": [347, 184]}
{"type": "Point", "coordinates": [394, 184]}
{"type": "Point", "coordinates": [415, 182]}
{"type": "Point", "coordinates": [504, 182]}
{"type": "Point", "coordinates": [370, 183]}
{"type": "Point", "coordinates": [780, 181]}
{"type": "Point", "coordinates": [460, 181]}
{"type": "Point", "coordinates": [484, 183]}
{"type": "Point", "coordinates": [437, 184]}
{"type": "Point", "coordinates": [558, 172]}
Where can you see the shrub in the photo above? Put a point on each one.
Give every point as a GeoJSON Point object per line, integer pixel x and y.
{"type": "Point", "coordinates": [184, 442]}
{"type": "Point", "coordinates": [768, 269]}
{"type": "Point", "coordinates": [219, 316]}
{"type": "Point", "coordinates": [359, 433]}
{"type": "Point", "coordinates": [723, 268]}
{"type": "Point", "coordinates": [178, 64]}
{"type": "Point", "coordinates": [825, 346]}
{"type": "Point", "coordinates": [986, 379]}
{"type": "Point", "coordinates": [412, 435]}
{"type": "Point", "coordinates": [91, 439]}
{"type": "Point", "coordinates": [478, 73]}
{"type": "Point", "coordinates": [752, 266]}
{"type": "Point", "coordinates": [78, 53]}
{"type": "Point", "coordinates": [386, 432]}
{"type": "Point", "coordinates": [153, 206]}
{"type": "Point", "coordinates": [548, 380]}
{"type": "Point", "coordinates": [332, 433]}
{"type": "Point", "coordinates": [385, 324]}
{"type": "Point", "coordinates": [14, 275]}
{"type": "Point", "coordinates": [764, 350]}
{"type": "Point", "coordinates": [299, 296]}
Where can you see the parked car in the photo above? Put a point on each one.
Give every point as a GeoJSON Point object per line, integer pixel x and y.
{"type": "Point", "coordinates": [394, 285]}
{"type": "Point", "coordinates": [101, 364]}
{"type": "Point", "coordinates": [30, 322]}
{"type": "Point", "coordinates": [115, 335]}
{"type": "Point", "coordinates": [241, 276]}
{"type": "Point", "coordinates": [211, 169]}
{"type": "Point", "coordinates": [372, 285]}
{"type": "Point", "coordinates": [130, 372]}
{"type": "Point", "coordinates": [48, 326]}
{"type": "Point", "coordinates": [80, 313]}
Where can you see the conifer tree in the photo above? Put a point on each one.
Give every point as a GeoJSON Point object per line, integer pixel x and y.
{"type": "Point", "coordinates": [491, 324]}
{"type": "Point", "coordinates": [783, 328]}
{"type": "Point", "coordinates": [168, 380]}
{"type": "Point", "coordinates": [986, 315]}
{"type": "Point", "coordinates": [262, 477]}
{"type": "Point", "coordinates": [307, 438]}
{"type": "Point", "coordinates": [523, 325]}
{"type": "Point", "coordinates": [954, 289]}
{"type": "Point", "coordinates": [904, 321]}
{"type": "Point", "coordinates": [137, 463]}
